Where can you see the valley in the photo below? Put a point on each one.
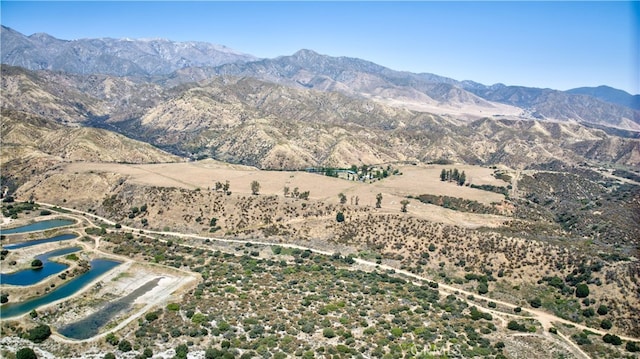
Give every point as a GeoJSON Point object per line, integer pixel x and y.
{"type": "Point", "coordinates": [206, 203]}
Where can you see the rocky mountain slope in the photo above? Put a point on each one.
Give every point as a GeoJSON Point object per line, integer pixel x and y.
{"type": "Point", "coordinates": [32, 144]}
{"type": "Point", "coordinates": [609, 94]}
{"type": "Point", "coordinates": [191, 62]}
{"type": "Point", "coordinates": [244, 120]}
{"type": "Point", "coordinates": [119, 57]}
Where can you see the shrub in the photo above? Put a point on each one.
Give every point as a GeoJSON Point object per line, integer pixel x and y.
{"type": "Point", "coordinates": [603, 309]}
{"type": "Point", "coordinates": [589, 312]}
{"type": "Point", "coordinates": [173, 307]}
{"type": "Point", "coordinates": [328, 333]}
{"type": "Point", "coordinates": [632, 347]}
{"type": "Point", "coordinates": [39, 333]}
{"type": "Point", "coordinates": [26, 353]}
{"type": "Point", "coordinates": [582, 290]}
{"type": "Point", "coordinates": [147, 353]}
{"type": "Point", "coordinates": [181, 351]}
{"type": "Point", "coordinates": [535, 302]}
{"type": "Point", "coordinates": [36, 263]}
{"type": "Point", "coordinates": [612, 339]}
{"type": "Point", "coordinates": [112, 339]}
{"type": "Point", "coordinates": [606, 324]}
{"type": "Point", "coordinates": [514, 325]}
{"type": "Point", "coordinates": [483, 288]}
{"type": "Point", "coordinates": [340, 217]}
{"type": "Point", "coordinates": [150, 317]}
{"type": "Point", "coordinates": [109, 356]}
{"type": "Point", "coordinates": [125, 346]}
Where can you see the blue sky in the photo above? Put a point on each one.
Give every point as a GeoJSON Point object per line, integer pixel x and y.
{"type": "Point", "coordinates": [559, 45]}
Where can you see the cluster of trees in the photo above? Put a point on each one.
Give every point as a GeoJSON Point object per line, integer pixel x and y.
{"type": "Point", "coordinates": [295, 193]}
{"type": "Point", "coordinates": [224, 187]}
{"type": "Point", "coordinates": [453, 176]}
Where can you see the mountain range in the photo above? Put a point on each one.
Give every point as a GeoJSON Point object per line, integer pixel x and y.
{"type": "Point", "coordinates": [307, 109]}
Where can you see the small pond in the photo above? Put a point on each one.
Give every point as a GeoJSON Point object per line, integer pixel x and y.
{"type": "Point", "coordinates": [39, 226]}
{"type": "Point", "coordinates": [90, 326]}
{"type": "Point", "coordinates": [31, 276]}
{"type": "Point", "coordinates": [98, 268]}
{"type": "Point", "coordinates": [62, 237]}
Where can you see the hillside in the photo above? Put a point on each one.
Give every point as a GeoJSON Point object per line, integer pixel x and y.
{"type": "Point", "coordinates": [119, 57]}
{"type": "Point", "coordinates": [171, 63]}
{"type": "Point", "coordinates": [33, 145]}
{"type": "Point", "coordinates": [248, 121]}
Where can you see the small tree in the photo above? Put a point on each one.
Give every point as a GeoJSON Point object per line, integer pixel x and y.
{"type": "Point", "coordinates": [404, 204]}
{"type": "Point", "coordinates": [255, 187]}
{"type": "Point", "coordinates": [125, 346]}
{"type": "Point", "coordinates": [39, 333]}
{"type": "Point", "coordinates": [340, 217]}
{"type": "Point", "coordinates": [26, 353]}
{"type": "Point", "coordinates": [582, 290]}
{"type": "Point", "coordinates": [225, 187]}
{"type": "Point", "coordinates": [603, 309]}
{"type": "Point", "coordinates": [36, 263]}
{"type": "Point", "coordinates": [286, 191]}
{"type": "Point", "coordinates": [343, 198]}
{"type": "Point", "coordinates": [443, 175]}
{"type": "Point", "coordinates": [379, 200]}
{"type": "Point", "coordinates": [462, 179]}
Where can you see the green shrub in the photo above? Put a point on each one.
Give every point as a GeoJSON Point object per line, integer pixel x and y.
{"type": "Point", "coordinates": [328, 333]}
{"type": "Point", "coordinates": [125, 346]}
{"type": "Point", "coordinates": [606, 324]}
{"type": "Point", "coordinates": [582, 290]}
{"type": "Point", "coordinates": [612, 339]}
{"type": "Point", "coordinates": [26, 353]}
{"type": "Point", "coordinates": [535, 302]}
{"type": "Point", "coordinates": [632, 347]}
{"type": "Point", "coordinates": [39, 333]}
{"type": "Point", "coordinates": [603, 309]}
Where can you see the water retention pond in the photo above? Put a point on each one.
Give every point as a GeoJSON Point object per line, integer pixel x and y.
{"type": "Point", "coordinates": [98, 267]}
{"type": "Point", "coordinates": [90, 326]}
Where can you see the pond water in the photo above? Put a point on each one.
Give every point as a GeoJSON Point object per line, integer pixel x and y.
{"type": "Point", "coordinates": [39, 226]}
{"type": "Point", "coordinates": [98, 268]}
{"type": "Point", "coordinates": [62, 237]}
{"type": "Point", "coordinates": [32, 276]}
{"type": "Point", "coordinates": [90, 326]}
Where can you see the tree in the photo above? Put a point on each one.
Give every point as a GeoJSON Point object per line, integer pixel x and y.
{"type": "Point", "coordinates": [26, 353]}
{"type": "Point", "coordinates": [443, 175]}
{"type": "Point", "coordinates": [632, 347]}
{"type": "Point", "coordinates": [483, 288]}
{"type": "Point", "coordinates": [340, 217]}
{"type": "Point", "coordinates": [343, 198]}
{"type": "Point", "coordinates": [286, 191]}
{"type": "Point", "coordinates": [612, 339]}
{"type": "Point", "coordinates": [39, 333]}
{"type": "Point", "coordinates": [603, 309]}
{"type": "Point", "coordinates": [305, 195]}
{"type": "Point", "coordinates": [255, 187]}
{"type": "Point", "coordinates": [606, 324]}
{"type": "Point", "coordinates": [36, 263]}
{"type": "Point", "coordinates": [379, 200]}
{"type": "Point", "coordinates": [404, 204]}
{"type": "Point", "coordinates": [462, 179]}
{"type": "Point", "coordinates": [225, 187]}
{"type": "Point", "coordinates": [582, 290]}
